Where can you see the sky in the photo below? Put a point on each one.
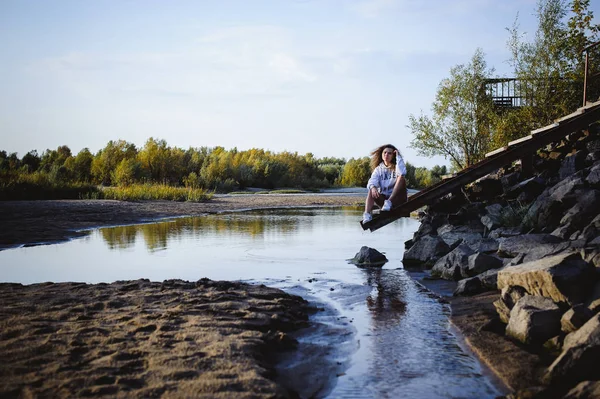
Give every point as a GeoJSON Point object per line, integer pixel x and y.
{"type": "Point", "coordinates": [336, 78]}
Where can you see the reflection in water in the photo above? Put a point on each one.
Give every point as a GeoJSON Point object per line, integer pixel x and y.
{"type": "Point", "coordinates": [387, 304]}
{"type": "Point", "coordinates": [252, 223]}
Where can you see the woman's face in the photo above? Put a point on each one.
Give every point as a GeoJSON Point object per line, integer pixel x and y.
{"type": "Point", "coordinates": [387, 155]}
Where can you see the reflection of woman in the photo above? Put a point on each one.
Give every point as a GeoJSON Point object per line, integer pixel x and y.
{"type": "Point", "coordinates": [387, 185]}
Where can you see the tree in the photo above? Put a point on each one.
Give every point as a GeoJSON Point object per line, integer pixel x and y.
{"type": "Point", "coordinates": [356, 172]}
{"type": "Point", "coordinates": [107, 159]}
{"type": "Point", "coordinates": [460, 126]}
{"type": "Point", "coordinates": [550, 67]}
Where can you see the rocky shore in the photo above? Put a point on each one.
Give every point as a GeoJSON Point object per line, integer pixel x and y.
{"type": "Point", "coordinates": [524, 246]}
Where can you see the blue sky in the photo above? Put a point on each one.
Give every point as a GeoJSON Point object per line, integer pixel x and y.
{"type": "Point", "coordinates": [331, 77]}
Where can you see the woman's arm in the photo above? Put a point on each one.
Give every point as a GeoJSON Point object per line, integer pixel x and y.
{"type": "Point", "coordinates": [400, 166]}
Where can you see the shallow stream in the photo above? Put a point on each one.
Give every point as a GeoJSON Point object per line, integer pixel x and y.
{"type": "Point", "coordinates": [380, 334]}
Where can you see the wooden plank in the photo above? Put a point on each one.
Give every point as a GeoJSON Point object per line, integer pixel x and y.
{"type": "Point", "coordinates": [498, 151]}
{"type": "Point", "coordinates": [571, 115]}
{"type": "Point", "coordinates": [543, 129]}
{"type": "Point", "coordinates": [521, 140]}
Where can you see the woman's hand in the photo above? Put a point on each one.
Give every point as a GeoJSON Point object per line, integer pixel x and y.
{"type": "Point", "coordinates": [374, 192]}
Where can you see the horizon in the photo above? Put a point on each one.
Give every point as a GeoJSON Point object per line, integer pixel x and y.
{"type": "Point", "coordinates": [332, 78]}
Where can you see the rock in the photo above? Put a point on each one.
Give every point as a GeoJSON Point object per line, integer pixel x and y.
{"type": "Point", "coordinates": [505, 232]}
{"type": "Point", "coordinates": [534, 319]}
{"type": "Point", "coordinates": [368, 257]}
{"type": "Point", "coordinates": [511, 295]}
{"type": "Point", "coordinates": [451, 265]}
{"type": "Point", "coordinates": [455, 235]}
{"type": "Point", "coordinates": [527, 190]}
{"type": "Point", "coordinates": [580, 214]}
{"type": "Point", "coordinates": [492, 218]}
{"type": "Point", "coordinates": [584, 390]}
{"type": "Point", "coordinates": [593, 300]}
{"type": "Point", "coordinates": [572, 163]}
{"type": "Point", "coordinates": [575, 317]}
{"type": "Point", "coordinates": [511, 246]}
{"type": "Point", "coordinates": [469, 286]}
{"type": "Point", "coordinates": [479, 263]}
{"type": "Point", "coordinates": [564, 278]}
{"type": "Point", "coordinates": [592, 230]}
{"type": "Point", "coordinates": [485, 245]}
{"type": "Point", "coordinates": [425, 251]}
{"type": "Point", "coordinates": [593, 178]}
{"type": "Point", "coordinates": [502, 310]}
{"type": "Point", "coordinates": [579, 358]}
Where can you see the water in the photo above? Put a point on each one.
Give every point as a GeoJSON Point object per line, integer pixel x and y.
{"type": "Point", "coordinates": [380, 333]}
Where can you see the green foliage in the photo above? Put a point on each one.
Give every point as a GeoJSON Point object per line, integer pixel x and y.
{"type": "Point", "coordinates": [356, 172]}
{"type": "Point", "coordinates": [459, 126]}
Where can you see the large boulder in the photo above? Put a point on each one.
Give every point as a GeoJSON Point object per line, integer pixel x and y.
{"type": "Point", "coordinates": [510, 247]}
{"type": "Point", "coordinates": [368, 257]}
{"type": "Point", "coordinates": [572, 164]}
{"type": "Point", "coordinates": [425, 251]}
{"type": "Point", "coordinates": [534, 319]}
{"type": "Point", "coordinates": [579, 358]}
{"type": "Point", "coordinates": [454, 235]}
{"type": "Point", "coordinates": [485, 245]}
{"type": "Point", "coordinates": [493, 216]}
{"type": "Point", "coordinates": [575, 317]}
{"type": "Point", "coordinates": [564, 278]}
{"type": "Point", "coordinates": [451, 265]}
{"type": "Point", "coordinates": [580, 214]}
{"type": "Point", "coordinates": [478, 263]}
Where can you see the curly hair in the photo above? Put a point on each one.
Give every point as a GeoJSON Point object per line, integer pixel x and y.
{"type": "Point", "coordinates": [376, 155]}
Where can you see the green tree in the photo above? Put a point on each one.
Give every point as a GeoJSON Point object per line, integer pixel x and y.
{"type": "Point", "coordinates": [356, 172]}
{"type": "Point", "coordinates": [80, 166]}
{"type": "Point", "coordinates": [459, 128]}
{"type": "Point", "coordinates": [107, 159]}
{"type": "Point", "coordinates": [550, 67]}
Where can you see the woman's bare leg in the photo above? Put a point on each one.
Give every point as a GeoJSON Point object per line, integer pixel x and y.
{"type": "Point", "coordinates": [371, 201]}
{"type": "Point", "coordinates": [399, 195]}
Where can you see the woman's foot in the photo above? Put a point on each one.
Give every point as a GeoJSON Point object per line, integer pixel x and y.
{"type": "Point", "coordinates": [367, 217]}
{"type": "Point", "coordinates": [387, 205]}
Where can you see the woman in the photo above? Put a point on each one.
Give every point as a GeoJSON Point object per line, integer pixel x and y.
{"type": "Point", "coordinates": [387, 185]}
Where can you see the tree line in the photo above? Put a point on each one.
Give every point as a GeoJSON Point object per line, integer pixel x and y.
{"type": "Point", "coordinates": [465, 122]}
{"type": "Point", "coordinates": [121, 163]}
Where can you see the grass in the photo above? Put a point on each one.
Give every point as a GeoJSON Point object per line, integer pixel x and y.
{"type": "Point", "coordinates": [140, 192]}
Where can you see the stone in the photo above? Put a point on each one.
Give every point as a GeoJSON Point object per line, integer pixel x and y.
{"type": "Point", "coordinates": [368, 257]}
{"type": "Point", "coordinates": [505, 232]}
{"type": "Point", "coordinates": [511, 246]}
{"type": "Point", "coordinates": [580, 214]}
{"type": "Point", "coordinates": [454, 235]}
{"type": "Point", "coordinates": [584, 390]}
{"type": "Point", "coordinates": [593, 178]}
{"type": "Point", "coordinates": [485, 245]}
{"type": "Point", "coordinates": [565, 278]}
{"type": "Point", "coordinates": [451, 265]}
{"type": "Point", "coordinates": [575, 317]}
{"type": "Point", "coordinates": [533, 320]}
{"type": "Point", "coordinates": [511, 295]}
{"type": "Point", "coordinates": [502, 310]}
{"type": "Point", "coordinates": [593, 300]}
{"type": "Point", "coordinates": [480, 262]}
{"type": "Point", "coordinates": [493, 216]}
{"type": "Point", "coordinates": [572, 163]}
{"type": "Point", "coordinates": [579, 358]}
{"type": "Point", "coordinates": [469, 286]}
{"type": "Point", "coordinates": [425, 251]}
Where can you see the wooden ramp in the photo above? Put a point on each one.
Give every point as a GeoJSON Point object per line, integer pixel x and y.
{"type": "Point", "coordinates": [518, 149]}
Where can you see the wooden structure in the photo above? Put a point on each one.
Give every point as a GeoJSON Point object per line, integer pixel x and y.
{"type": "Point", "coordinates": [515, 150]}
